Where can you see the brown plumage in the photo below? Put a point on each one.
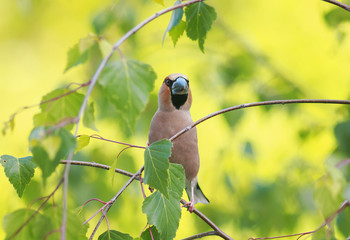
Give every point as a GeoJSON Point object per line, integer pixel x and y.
{"type": "Point", "coordinates": [173, 115]}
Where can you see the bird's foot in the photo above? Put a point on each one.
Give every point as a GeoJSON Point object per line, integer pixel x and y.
{"type": "Point", "coordinates": [189, 206]}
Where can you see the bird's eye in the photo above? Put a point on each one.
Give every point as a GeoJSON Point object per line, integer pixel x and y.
{"type": "Point", "coordinates": [168, 82]}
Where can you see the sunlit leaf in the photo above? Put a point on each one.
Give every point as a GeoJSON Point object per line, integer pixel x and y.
{"type": "Point", "coordinates": [146, 235]}
{"type": "Point", "coordinates": [336, 16]}
{"type": "Point", "coordinates": [127, 84]}
{"type": "Point", "coordinates": [10, 124]}
{"type": "Point", "coordinates": [82, 142]}
{"type": "Point", "coordinates": [18, 170]}
{"type": "Point", "coordinates": [89, 117]}
{"type": "Point", "coordinates": [103, 20]}
{"type": "Point", "coordinates": [177, 31]}
{"type": "Point", "coordinates": [79, 53]}
{"type": "Point", "coordinates": [164, 213]}
{"type": "Point", "coordinates": [75, 228]}
{"type": "Point", "coordinates": [62, 107]}
{"type": "Point", "coordinates": [105, 47]}
{"type": "Point", "coordinates": [37, 228]}
{"type": "Point", "coordinates": [175, 19]}
{"type": "Point", "coordinates": [49, 146]}
{"type": "Point", "coordinates": [114, 235]}
{"type": "Point", "coordinates": [199, 18]}
{"type": "Point", "coordinates": [157, 165]}
{"type": "Point", "coordinates": [75, 57]}
{"type": "Point", "coordinates": [323, 234]}
{"type": "Point", "coordinates": [328, 193]}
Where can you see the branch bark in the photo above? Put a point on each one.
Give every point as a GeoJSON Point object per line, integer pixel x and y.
{"type": "Point", "coordinates": [255, 104]}
{"type": "Point", "coordinates": [339, 4]}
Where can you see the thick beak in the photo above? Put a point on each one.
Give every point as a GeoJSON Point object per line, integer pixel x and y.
{"type": "Point", "coordinates": [180, 86]}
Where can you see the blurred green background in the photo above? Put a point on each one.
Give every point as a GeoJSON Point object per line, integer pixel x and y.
{"type": "Point", "coordinates": [259, 166]}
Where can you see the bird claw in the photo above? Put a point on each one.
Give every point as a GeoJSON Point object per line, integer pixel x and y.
{"type": "Point", "coordinates": [189, 206]}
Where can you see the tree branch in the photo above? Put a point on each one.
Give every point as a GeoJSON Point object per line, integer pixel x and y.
{"type": "Point", "coordinates": [216, 229]}
{"type": "Point", "coordinates": [200, 235]}
{"type": "Point", "coordinates": [247, 105]}
{"type": "Point", "coordinates": [339, 4]}
{"type": "Point", "coordinates": [98, 165]}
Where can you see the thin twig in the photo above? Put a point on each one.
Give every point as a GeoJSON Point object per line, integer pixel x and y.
{"type": "Point", "coordinates": [255, 104]}
{"type": "Point", "coordinates": [200, 235]}
{"type": "Point", "coordinates": [339, 4]}
{"type": "Point", "coordinates": [96, 136]}
{"type": "Point", "coordinates": [98, 165]}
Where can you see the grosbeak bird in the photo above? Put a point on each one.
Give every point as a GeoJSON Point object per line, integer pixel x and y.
{"type": "Point", "coordinates": [173, 115]}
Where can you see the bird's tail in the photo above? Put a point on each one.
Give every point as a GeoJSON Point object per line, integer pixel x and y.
{"type": "Point", "coordinates": [199, 196]}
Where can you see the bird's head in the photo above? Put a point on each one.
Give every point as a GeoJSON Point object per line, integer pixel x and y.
{"type": "Point", "coordinates": [175, 93]}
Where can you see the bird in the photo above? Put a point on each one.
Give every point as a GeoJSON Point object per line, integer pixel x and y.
{"type": "Point", "coordinates": [173, 115]}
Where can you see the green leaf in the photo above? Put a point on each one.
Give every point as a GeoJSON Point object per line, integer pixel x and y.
{"type": "Point", "coordinates": [103, 20]}
{"type": "Point", "coordinates": [164, 213]}
{"type": "Point", "coordinates": [105, 47]}
{"type": "Point", "coordinates": [175, 19]}
{"type": "Point", "coordinates": [343, 222]}
{"type": "Point", "coordinates": [328, 194]}
{"type": "Point", "coordinates": [37, 228]}
{"type": "Point", "coordinates": [199, 18]}
{"type": "Point", "coordinates": [324, 234]}
{"type": "Point", "coordinates": [10, 124]}
{"type": "Point", "coordinates": [342, 134]}
{"type": "Point", "coordinates": [157, 165]}
{"type": "Point", "coordinates": [64, 106]}
{"type": "Point", "coordinates": [82, 142]}
{"type": "Point", "coordinates": [336, 16]}
{"type": "Point", "coordinates": [127, 84]}
{"type": "Point", "coordinates": [177, 31]}
{"type": "Point", "coordinates": [114, 235]}
{"type": "Point", "coordinates": [146, 235]}
{"type": "Point", "coordinates": [18, 170]}
{"type": "Point", "coordinates": [79, 53]}
{"type": "Point", "coordinates": [75, 228]}
{"type": "Point", "coordinates": [89, 117]}
{"type": "Point", "coordinates": [177, 179]}
{"type": "Point", "coordinates": [75, 57]}
{"type": "Point", "coordinates": [49, 146]}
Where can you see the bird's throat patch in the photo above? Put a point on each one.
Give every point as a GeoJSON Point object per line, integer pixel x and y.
{"type": "Point", "coordinates": [178, 100]}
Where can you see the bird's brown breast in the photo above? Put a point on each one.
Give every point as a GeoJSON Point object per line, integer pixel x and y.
{"type": "Point", "coordinates": [185, 148]}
